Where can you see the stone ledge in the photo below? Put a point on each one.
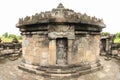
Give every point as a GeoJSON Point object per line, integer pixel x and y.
{"type": "Point", "coordinates": [58, 73]}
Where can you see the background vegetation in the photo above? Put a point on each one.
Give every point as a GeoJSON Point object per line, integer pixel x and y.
{"type": "Point", "coordinates": [6, 37]}
{"type": "Point", "coordinates": [117, 36]}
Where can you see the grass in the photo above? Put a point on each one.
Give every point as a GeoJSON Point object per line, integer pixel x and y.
{"type": "Point", "coordinates": [8, 39]}
{"type": "Point", "coordinates": [117, 40]}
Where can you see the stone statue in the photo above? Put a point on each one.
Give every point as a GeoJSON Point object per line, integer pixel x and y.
{"type": "Point", "coordinates": [61, 53]}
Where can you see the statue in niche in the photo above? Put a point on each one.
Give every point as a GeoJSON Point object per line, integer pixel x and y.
{"type": "Point", "coordinates": [61, 52]}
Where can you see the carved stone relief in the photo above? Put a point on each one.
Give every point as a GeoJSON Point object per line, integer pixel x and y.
{"type": "Point", "coordinates": [62, 51]}
{"type": "Point", "coordinates": [61, 28]}
{"type": "Point", "coordinates": [54, 35]}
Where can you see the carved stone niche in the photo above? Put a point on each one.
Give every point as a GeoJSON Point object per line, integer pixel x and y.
{"type": "Point", "coordinates": [62, 51]}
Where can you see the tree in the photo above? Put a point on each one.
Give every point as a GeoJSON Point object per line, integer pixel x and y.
{"type": "Point", "coordinates": [105, 33]}
{"type": "Point", "coordinates": [5, 35]}
{"type": "Point", "coordinates": [118, 35]}
{"type": "Point", "coordinates": [12, 36]}
{"type": "Point", "coordinates": [19, 37]}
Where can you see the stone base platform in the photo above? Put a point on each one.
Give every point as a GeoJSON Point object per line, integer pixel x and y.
{"type": "Point", "coordinates": [67, 71]}
{"type": "Point", "coordinates": [9, 71]}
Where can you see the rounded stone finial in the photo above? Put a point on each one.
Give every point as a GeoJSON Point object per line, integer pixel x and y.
{"type": "Point", "coordinates": [60, 6]}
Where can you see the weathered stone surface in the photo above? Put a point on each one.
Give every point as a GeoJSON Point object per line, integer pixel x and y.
{"type": "Point", "coordinates": [55, 35]}
{"type": "Point", "coordinates": [60, 43]}
{"type": "Point", "coordinates": [60, 15]}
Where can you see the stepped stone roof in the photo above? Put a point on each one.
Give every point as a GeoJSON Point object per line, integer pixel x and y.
{"type": "Point", "coordinates": [60, 15]}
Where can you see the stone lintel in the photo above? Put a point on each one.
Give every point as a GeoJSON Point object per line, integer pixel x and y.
{"type": "Point", "coordinates": [54, 35]}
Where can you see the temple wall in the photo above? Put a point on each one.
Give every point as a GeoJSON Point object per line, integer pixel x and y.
{"type": "Point", "coordinates": [41, 49]}
{"type": "Point", "coordinates": [35, 49]}
{"type": "Point", "coordinates": [93, 48]}
{"type": "Point", "coordinates": [86, 48]}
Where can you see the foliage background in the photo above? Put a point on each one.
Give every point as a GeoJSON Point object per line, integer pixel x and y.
{"type": "Point", "coordinates": [117, 36]}
{"type": "Point", "coordinates": [6, 37]}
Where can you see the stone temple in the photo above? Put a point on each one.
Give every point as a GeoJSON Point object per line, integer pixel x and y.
{"type": "Point", "coordinates": [60, 43]}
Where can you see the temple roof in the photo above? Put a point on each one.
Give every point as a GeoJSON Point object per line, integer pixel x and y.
{"type": "Point", "coordinates": [60, 5]}
{"type": "Point", "coordinates": [60, 15]}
